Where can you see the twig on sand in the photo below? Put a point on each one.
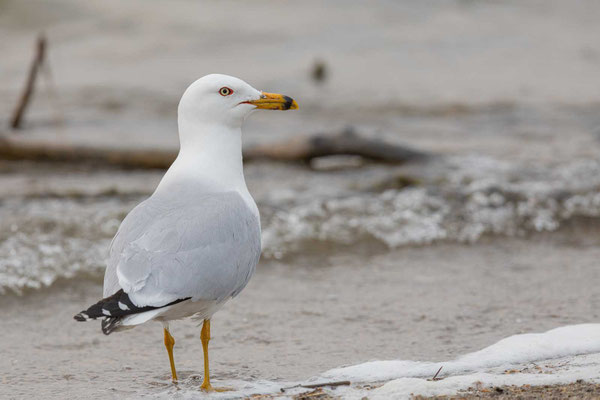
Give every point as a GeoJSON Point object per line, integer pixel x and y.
{"type": "Point", "coordinates": [435, 378]}
{"type": "Point", "coordinates": [38, 60]}
{"type": "Point", "coordinates": [318, 385]}
{"type": "Point", "coordinates": [348, 143]}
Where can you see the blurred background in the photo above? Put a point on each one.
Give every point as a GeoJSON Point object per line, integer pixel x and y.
{"type": "Point", "coordinates": [492, 229]}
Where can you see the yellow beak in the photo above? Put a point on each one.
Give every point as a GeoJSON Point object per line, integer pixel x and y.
{"type": "Point", "coordinates": [274, 101]}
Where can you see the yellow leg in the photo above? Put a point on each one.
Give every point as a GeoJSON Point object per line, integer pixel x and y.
{"type": "Point", "coordinates": [169, 343]}
{"type": "Point", "coordinates": [205, 337]}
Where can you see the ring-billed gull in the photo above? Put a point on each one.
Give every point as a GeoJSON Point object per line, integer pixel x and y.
{"type": "Point", "coordinates": [194, 243]}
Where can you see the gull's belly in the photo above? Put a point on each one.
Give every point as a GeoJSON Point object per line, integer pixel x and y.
{"type": "Point", "coordinates": [202, 309]}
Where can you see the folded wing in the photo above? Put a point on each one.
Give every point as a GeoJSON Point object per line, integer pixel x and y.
{"type": "Point", "coordinates": [169, 249]}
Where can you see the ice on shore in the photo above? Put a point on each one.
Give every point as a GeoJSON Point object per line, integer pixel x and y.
{"type": "Point", "coordinates": [550, 372]}
{"type": "Point", "coordinates": [514, 350]}
{"type": "Point", "coordinates": [559, 356]}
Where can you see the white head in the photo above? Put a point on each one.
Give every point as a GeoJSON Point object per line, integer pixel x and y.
{"type": "Point", "coordinates": [210, 117]}
{"type": "Point", "coordinates": [223, 100]}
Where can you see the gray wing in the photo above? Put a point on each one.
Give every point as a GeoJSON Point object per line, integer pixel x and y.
{"type": "Point", "coordinates": [167, 249]}
{"type": "Point", "coordinates": [131, 228]}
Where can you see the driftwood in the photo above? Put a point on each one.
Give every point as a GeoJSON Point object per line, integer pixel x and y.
{"type": "Point", "coordinates": [38, 60]}
{"type": "Point", "coordinates": [18, 148]}
{"type": "Point", "coordinates": [317, 385]}
{"type": "Point", "coordinates": [345, 143]}
{"type": "Point", "coordinates": [300, 149]}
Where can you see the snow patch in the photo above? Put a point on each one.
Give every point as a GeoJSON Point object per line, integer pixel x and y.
{"type": "Point", "coordinates": [517, 349]}
{"type": "Point", "coordinates": [559, 356]}
{"type": "Point", "coordinates": [554, 372]}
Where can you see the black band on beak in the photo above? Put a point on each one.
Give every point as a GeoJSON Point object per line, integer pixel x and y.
{"type": "Point", "coordinates": [288, 102]}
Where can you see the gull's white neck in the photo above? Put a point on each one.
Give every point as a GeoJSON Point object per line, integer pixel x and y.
{"type": "Point", "coordinates": [210, 157]}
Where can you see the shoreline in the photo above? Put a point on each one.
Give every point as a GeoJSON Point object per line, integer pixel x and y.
{"type": "Point", "coordinates": [294, 321]}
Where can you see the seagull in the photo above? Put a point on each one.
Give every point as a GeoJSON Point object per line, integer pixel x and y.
{"type": "Point", "coordinates": [195, 242]}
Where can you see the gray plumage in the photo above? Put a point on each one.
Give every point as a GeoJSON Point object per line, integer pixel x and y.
{"type": "Point", "coordinates": [184, 244]}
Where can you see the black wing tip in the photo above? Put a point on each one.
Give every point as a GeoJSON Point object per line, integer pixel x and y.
{"type": "Point", "coordinates": [113, 309]}
{"type": "Point", "coordinates": [81, 317]}
{"type": "Point", "coordinates": [109, 325]}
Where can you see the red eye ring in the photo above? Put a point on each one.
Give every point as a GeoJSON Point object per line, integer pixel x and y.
{"type": "Point", "coordinates": [225, 91]}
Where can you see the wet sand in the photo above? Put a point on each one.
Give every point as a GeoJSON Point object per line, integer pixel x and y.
{"type": "Point", "coordinates": [295, 321]}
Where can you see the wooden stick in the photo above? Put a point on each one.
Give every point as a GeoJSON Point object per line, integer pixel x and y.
{"type": "Point", "coordinates": [38, 60]}
{"type": "Point", "coordinates": [318, 385]}
{"type": "Point", "coordinates": [437, 373]}
{"type": "Point", "coordinates": [303, 149]}
{"type": "Point", "coordinates": [330, 384]}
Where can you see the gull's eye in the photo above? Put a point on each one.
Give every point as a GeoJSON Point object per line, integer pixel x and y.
{"type": "Point", "coordinates": [225, 91]}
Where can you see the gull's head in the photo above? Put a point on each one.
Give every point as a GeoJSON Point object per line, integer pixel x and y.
{"type": "Point", "coordinates": [224, 100]}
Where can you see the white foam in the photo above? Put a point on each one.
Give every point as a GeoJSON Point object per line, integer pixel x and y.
{"type": "Point", "coordinates": [474, 196]}
{"type": "Point", "coordinates": [464, 199]}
